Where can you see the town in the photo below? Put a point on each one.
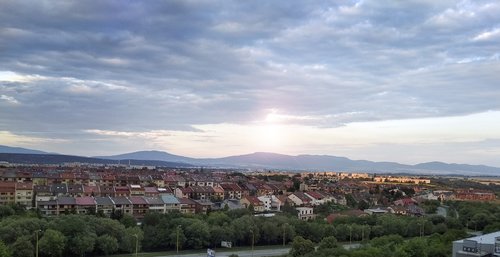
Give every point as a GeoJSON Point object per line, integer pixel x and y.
{"type": "Point", "coordinates": [55, 190]}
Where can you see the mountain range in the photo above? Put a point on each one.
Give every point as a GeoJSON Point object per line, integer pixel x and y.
{"type": "Point", "coordinates": [263, 160]}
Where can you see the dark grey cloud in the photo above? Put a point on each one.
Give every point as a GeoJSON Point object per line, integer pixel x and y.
{"type": "Point", "coordinates": [168, 65]}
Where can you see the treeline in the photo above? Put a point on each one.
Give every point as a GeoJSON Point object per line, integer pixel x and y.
{"type": "Point", "coordinates": [79, 235]}
{"type": "Point", "coordinates": [483, 216]}
{"type": "Point", "coordinates": [436, 245]}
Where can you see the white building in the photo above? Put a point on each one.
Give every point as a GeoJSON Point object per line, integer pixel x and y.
{"type": "Point", "coordinates": [484, 245]}
{"type": "Point", "coordinates": [305, 213]}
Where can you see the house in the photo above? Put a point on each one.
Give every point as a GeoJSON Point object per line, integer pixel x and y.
{"type": "Point", "coordinates": [218, 193]}
{"type": "Point", "coordinates": [171, 203]}
{"type": "Point", "coordinates": [24, 194]}
{"type": "Point", "coordinates": [155, 204]}
{"type": "Point", "coordinates": [203, 206]}
{"type": "Point", "coordinates": [248, 201]}
{"type": "Point", "coordinates": [91, 191]}
{"type": "Point", "coordinates": [85, 204]}
{"type": "Point", "coordinates": [104, 204]}
{"type": "Point", "coordinates": [136, 190]}
{"type": "Point", "coordinates": [187, 205]}
{"type": "Point", "coordinates": [316, 197]}
{"type": "Point", "coordinates": [299, 199]}
{"type": "Point", "coordinates": [183, 192]}
{"type": "Point", "coordinates": [59, 189]}
{"type": "Point", "coordinates": [107, 191]}
{"type": "Point", "coordinates": [7, 192]}
{"type": "Point", "coordinates": [305, 213]}
{"type": "Point", "coordinates": [94, 180]}
{"type": "Point", "coordinates": [202, 192]}
{"type": "Point", "coordinates": [122, 204]}
{"type": "Point", "coordinates": [404, 202]}
{"type": "Point", "coordinates": [165, 191]}
{"type": "Point", "coordinates": [474, 195]}
{"type": "Point", "coordinates": [151, 191]}
{"type": "Point", "coordinates": [43, 193]}
{"type": "Point", "coordinates": [122, 191]}
{"type": "Point", "coordinates": [48, 208]}
{"type": "Point", "coordinates": [157, 180]}
{"type": "Point", "coordinates": [271, 203]}
{"type": "Point", "coordinates": [231, 191]}
{"type": "Point", "coordinates": [81, 178]}
{"type": "Point", "coordinates": [39, 178]}
{"type": "Point", "coordinates": [66, 204]}
{"type": "Point", "coordinates": [67, 178]}
{"type": "Point", "coordinates": [139, 206]}
{"type": "Point", "coordinates": [75, 190]}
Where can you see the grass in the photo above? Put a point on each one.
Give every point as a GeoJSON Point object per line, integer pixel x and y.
{"type": "Point", "coordinates": [173, 253]}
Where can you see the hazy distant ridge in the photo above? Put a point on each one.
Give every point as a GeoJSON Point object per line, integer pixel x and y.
{"type": "Point", "coordinates": [276, 161]}
{"type": "Point", "coordinates": [314, 162]}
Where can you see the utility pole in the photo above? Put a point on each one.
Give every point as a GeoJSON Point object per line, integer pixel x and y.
{"type": "Point", "coordinates": [350, 236]}
{"type": "Point", "coordinates": [253, 238]}
{"type": "Point", "coordinates": [136, 244]}
{"type": "Point", "coordinates": [284, 233]}
{"type": "Point", "coordinates": [36, 234]}
{"type": "Point", "coordinates": [177, 241]}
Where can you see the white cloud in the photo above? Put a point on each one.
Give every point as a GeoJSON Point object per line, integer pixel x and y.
{"type": "Point", "coordinates": [488, 35]}
{"type": "Point", "coordinates": [9, 99]}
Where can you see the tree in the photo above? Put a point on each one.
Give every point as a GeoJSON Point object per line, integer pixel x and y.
{"type": "Point", "coordinates": [6, 211]}
{"type": "Point", "coordinates": [328, 243]}
{"type": "Point", "coordinates": [107, 244]}
{"type": "Point", "coordinates": [82, 243]}
{"type": "Point", "coordinates": [23, 247]}
{"type": "Point", "coordinates": [128, 221]}
{"type": "Point", "coordinates": [52, 243]}
{"type": "Point", "coordinates": [362, 204]}
{"type": "Point", "coordinates": [4, 251]}
{"type": "Point", "coordinates": [301, 247]}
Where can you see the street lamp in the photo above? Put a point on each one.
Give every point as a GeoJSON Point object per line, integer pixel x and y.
{"type": "Point", "coordinates": [284, 233]}
{"type": "Point", "coordinates": [177, 240]}
{"type": "Point", "coordinates": [253, 238]}
{"type": "Point", "coordinates": [36, 235]}
{"type": "Point", "coordinates": [350, 235]}
{"type": "Point", "coordinates": [136, 244]}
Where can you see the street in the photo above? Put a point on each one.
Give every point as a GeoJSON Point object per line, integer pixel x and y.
{"type": "Point", "coordinates": [245, 253]}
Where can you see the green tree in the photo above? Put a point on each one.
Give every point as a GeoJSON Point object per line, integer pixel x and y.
{"type": "Point", "coordinates": [328, 243]}
{"type": "Point", "coordinates": [52, 243]}
{"type": "Point", "coordinates": [301, 246]}
{"type": "Point", "coordinates": [82, 243]}
{"type": "Point", "coordinates": [4, 250]}
{"type": "Point", "coordinates": [128, 221]}
{"type": "Point", "coordinates": [23, 247]}
{"type": "Point", "coordinates": [107, 244]}
{"type": "Point", "coordinates": [6, 211]}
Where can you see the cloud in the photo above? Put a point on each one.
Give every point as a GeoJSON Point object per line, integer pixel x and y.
{"type": "Point", "coordinates": [9, 99]}
{"type": "Point", "coordinates": [72, 66]}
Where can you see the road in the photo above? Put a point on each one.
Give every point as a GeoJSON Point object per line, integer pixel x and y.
{"type": "Point", "coordinates": [256, 253]}
{"type": "Point", "coordinates": [244, 253]}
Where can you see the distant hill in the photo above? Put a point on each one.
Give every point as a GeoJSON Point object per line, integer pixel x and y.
{"type": "Point", "coordinates": [59, 159]}
{"type": "Point", "coordinates": [262, 160]}
{"type": "Point", "coordinates": [9, 149]}
{"type": "Point", "coordinates": [318, 162]}
{"type": "Point", "coordinates": [149, 155]}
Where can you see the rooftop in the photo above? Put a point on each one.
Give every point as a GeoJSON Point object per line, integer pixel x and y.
{"type": "Point", "coordinates": [484, 239]}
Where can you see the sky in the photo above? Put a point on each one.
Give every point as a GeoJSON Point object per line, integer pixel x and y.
{"type": "Point", "coordinates": [383, 80]}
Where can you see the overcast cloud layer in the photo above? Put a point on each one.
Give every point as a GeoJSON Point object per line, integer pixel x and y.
{"type": "Point", "coordinates": [214, 78]}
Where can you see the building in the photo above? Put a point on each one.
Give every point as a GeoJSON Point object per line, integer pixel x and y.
{"type": "Point", "coordinates": [305, 213]}
{"type": "Point", "coordinates": [484, 245]}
